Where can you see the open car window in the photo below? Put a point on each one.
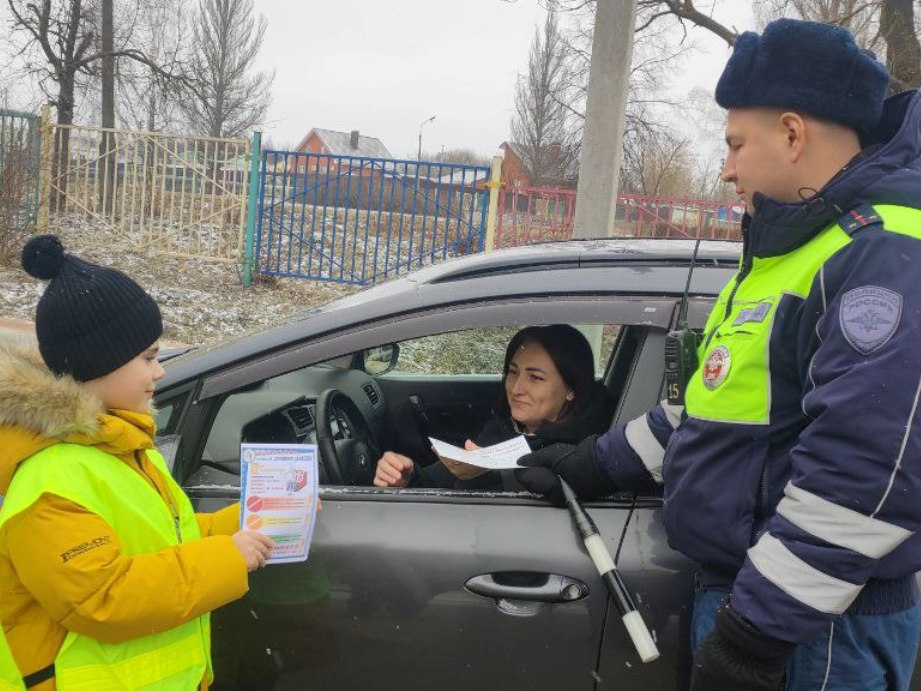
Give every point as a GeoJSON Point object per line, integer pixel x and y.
{"type": "Point", "coordinates": [482, 351]}
{"type": "Point", "coordinates": [456, 370]}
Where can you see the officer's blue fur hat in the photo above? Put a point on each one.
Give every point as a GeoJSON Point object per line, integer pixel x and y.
{"type": "Point", "coordinates": [806, 66]}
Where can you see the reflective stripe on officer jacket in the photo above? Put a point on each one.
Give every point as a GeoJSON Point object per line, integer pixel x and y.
{"type": "Point", "coordinates": [175, 659]}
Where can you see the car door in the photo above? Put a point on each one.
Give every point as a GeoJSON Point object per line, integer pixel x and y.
{"type": "Point", "coordinates": [486, 593]}
{"type": "Point", "coordinates": [411, 589]}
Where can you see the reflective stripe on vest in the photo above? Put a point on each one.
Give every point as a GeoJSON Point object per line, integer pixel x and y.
{"type": "Point", "coordinates": [733, 381]}
{"type": "Point", "coordinates": [174, 659]}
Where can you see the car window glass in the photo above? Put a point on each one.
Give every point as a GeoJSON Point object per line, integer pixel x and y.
{"type": "Point", "coordinates": [475, 351]}
{"type": "Point", "coordinates": [454, 370]}
{"type": "Point", "coordinates": [282, 409]}
{"type": "Point", "coordinates": [482, 351]}
{"type": "Point", "coordinates": [167, 413]}
{"type": "Point", "coordinates": [163, 414]}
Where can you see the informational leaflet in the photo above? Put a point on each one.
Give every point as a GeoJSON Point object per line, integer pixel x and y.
{"type": "Point", "coordinates": [495, 457]}
{"type": "Point", "coordinates": [278, 495]}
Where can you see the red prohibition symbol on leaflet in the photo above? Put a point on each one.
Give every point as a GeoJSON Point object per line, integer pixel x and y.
{"type": "Point", "coordinates": [254, 503]}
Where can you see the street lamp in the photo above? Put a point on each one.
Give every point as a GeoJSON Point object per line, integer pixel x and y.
{"type": "Point", "coordinates": [421, 125]}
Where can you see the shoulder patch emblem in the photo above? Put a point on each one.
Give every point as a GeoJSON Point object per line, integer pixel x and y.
{"type": "Point", "coordinates": [869, 316]}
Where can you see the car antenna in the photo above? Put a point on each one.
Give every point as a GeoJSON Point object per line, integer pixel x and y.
{"type": "Point", "coordinates": [601, 557]}
{"type": "Point", "coordinates": [681, 347]}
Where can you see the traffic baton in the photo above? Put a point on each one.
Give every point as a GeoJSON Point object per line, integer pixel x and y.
{"type": "Point", "coordinates": [601, 557]}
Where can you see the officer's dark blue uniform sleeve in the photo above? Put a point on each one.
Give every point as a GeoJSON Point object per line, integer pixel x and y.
{"type": "Point", "coordinates": [853, 497]}
{"type": "Point", "coordinates": [631, 454]}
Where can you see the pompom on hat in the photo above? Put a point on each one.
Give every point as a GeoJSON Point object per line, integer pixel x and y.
{"type": "Point", "coordinates": [91, 319]}
{"type": "Point", "coordinates": [815, 68]}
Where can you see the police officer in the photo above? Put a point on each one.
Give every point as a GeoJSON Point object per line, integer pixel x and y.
{"type": "Point", "coordinates": [793, 473]}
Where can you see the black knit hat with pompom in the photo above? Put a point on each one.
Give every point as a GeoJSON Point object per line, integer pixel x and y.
{"type": "Point", "coordinates": [91, 319]}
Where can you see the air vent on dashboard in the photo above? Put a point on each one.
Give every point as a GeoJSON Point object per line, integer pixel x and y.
{"type": "Point", "coordinates": [373, 397]}
{"type": "Point", "coordinates": [301, 417]}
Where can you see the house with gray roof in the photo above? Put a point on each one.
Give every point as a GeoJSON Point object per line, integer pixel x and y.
{"type": "Point", "coordinates": [338, 144]}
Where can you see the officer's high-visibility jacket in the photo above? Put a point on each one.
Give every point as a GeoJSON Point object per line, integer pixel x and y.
{"type": "Point", "coordinates": [793, 474]}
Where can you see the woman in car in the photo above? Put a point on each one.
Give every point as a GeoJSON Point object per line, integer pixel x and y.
{"type": "Point", "coordinates": [550, 396]}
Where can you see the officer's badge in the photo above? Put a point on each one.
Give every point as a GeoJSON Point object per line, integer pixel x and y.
{"type": "Point", "coordinates": [716, 367]}
{"type": "Point", "coordinates": [869, 317]}
{"type": "Point", "coordinates": [756, 314]}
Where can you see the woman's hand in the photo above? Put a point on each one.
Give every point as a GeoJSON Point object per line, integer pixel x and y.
{"type": "Point", "coordinates": [464, 471]}
{"type": "Point", "coordinates": [393, 470]}
{"type": "Point", "coordinates": [255, 548]}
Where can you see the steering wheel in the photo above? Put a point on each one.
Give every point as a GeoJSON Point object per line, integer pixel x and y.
{"type": "Point", "coordinates": [344, 437]}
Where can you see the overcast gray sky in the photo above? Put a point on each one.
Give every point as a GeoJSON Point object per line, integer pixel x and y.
{"type": "Point", "coordinates": [384, 66]}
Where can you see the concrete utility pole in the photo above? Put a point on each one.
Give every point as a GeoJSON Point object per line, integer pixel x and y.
{"type": "Point", "coordinates": [602, 139]}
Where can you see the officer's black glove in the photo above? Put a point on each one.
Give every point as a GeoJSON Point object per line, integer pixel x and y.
{"type": "Point", "coordinates": [578, 465]}
{"type": "Point", "coordinates": [738, 657]}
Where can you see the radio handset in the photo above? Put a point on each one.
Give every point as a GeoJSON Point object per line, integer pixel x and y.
{"type": "Point", "coordinates": [681, 347]}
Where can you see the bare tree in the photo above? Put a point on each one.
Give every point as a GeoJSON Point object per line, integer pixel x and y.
{"type": "Point", "coordinates": [467, 157]}
{"type": "Point", "coordinates": [893, 21]}
{"type": "Point", "coordinates": [62, 41]}
{"type": "Point", "coordinates": [903, 53]}
{"type": "Point", "coordinates": [860, 17]}
{"type": "Point", "coordinates": [655, 57]}
{"type": "Point", "coordinates": [656, 161]}
{"type": "Point", "coordinates": [145, 100]}
{"type": "Point", "coordinates": [540, 126]}
{"type": "Point", "coordinates": [229, 96]}
{"type": "Point", "coordinates": [61, 35]}
{"type": "Point", "coordinates": [684, 11]}
{"type": "Point", "coordinates": [709, 122]}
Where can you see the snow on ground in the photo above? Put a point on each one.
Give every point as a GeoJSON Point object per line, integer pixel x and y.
{"type": "Point", "coordinates": [202, 301]}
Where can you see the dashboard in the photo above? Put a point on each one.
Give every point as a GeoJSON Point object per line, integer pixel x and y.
{"type": "Point", "coordinates": [282, 410]}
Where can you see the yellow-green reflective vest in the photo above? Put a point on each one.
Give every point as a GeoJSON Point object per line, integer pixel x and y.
{"type": "Point", "coordinates": [742, 390]}
{"type": "Point", "coordinates": [174, 660]}
{"type": "Point", "coordinates": [10, 680]}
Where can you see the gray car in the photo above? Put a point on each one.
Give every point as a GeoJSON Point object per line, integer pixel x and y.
{"type": "Point", "coordinates": [432, 588]}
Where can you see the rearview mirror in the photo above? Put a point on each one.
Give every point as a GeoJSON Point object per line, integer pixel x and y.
{"type": "Point", "coordinates": [381, 359]}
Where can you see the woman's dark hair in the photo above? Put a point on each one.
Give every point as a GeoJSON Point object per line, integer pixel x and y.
{"type": "Point", "coordinates": [571, 354]}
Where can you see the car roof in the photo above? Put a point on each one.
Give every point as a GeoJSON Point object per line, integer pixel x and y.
{"type": "Point", "coordinates": [604, 250]}
{"type": "Point", "coordinates": [623, 265]}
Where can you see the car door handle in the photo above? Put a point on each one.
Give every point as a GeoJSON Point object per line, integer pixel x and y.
{"type": "Point", "coordinates": [527, 585]}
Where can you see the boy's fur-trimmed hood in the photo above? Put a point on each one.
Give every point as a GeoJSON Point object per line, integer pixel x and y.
{"type": "Point", "coordinates": [31, 396]}
{"type": "Point", "coordinates": [37, 408]}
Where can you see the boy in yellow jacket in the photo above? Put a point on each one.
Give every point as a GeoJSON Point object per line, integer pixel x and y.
{"type": "Point", "coordinates": [106, 574]}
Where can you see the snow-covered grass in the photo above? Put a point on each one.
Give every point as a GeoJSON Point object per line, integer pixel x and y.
{"type": "Point", "coordinates": [202, 300]}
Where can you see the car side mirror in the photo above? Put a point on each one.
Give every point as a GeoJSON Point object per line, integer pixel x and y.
{"type": "Point", "coordinates": [380, 359]}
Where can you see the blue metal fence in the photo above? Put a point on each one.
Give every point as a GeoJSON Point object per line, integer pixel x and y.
{"type": "Point", "coordinates": [20, 148]}
{"type": "Point", "coordinates": [357, 220]}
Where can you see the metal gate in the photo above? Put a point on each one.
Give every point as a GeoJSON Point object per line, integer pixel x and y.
{"type": "Point", "coordinates": [175, 194]}
{"type": "Point", "coordinates": [534, 214]}
{"type": "Point", "coordinates": [360, 220]}
{"type": "Point", "coordinates": [20, 150]}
